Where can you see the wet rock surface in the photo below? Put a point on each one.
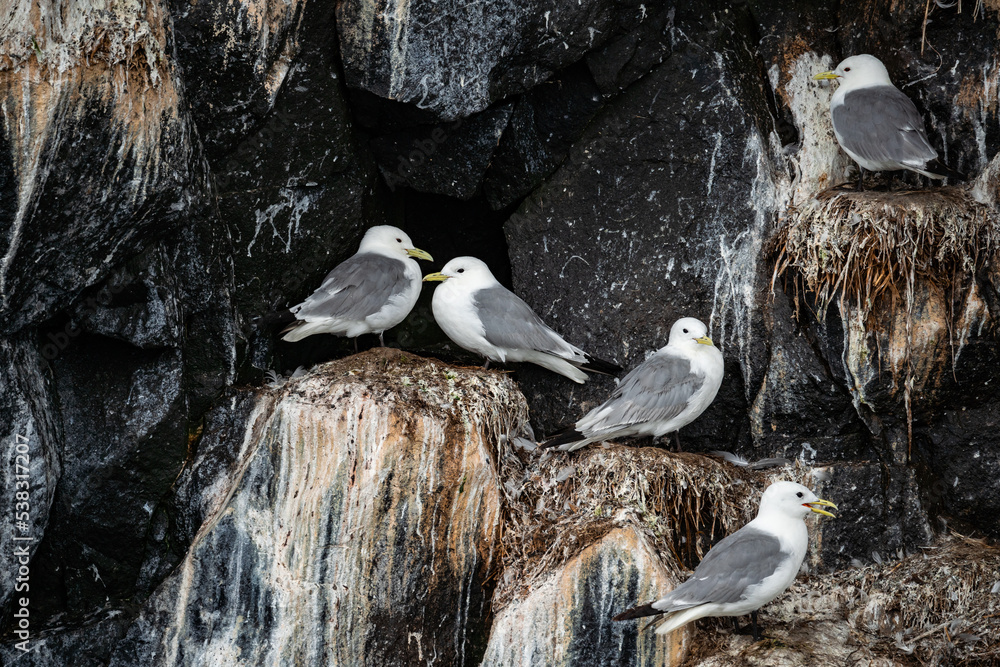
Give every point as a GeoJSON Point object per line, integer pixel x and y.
{"type": "Point", "coordinates": [575, 606]}
{"type": "Point", "coordinates": [370, 530]}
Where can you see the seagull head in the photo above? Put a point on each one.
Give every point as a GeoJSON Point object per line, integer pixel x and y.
{"type": "Point", "coordinates": [689, 332]}
{"type": "Point", "coordinates": [794, 500]}
{"type": "Point", "coordinates": [392, 242]}
{"type": "Point", "coordinates": [859, 72]}
{"type": "Point", "coordinates": [469, 272]}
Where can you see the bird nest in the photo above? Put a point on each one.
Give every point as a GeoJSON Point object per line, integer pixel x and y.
{"type": "Point", "coordinates": [861, 246]}
{"type": "Point", "coordinates": [937, 607]}
{"type": "Point", "coordinates": [557, 505]}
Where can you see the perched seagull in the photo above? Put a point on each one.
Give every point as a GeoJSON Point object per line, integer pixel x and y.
{"type": "Point", "coordinates": [484, 317]}
{"type": "Point", "coordinates": [877, 125]}
{"type": "Point", "coordinates": [747, 569]}
{"type": "Point", "coordinates": [659, 396]}
{"type": "Point", "coordinates": [369, 292]}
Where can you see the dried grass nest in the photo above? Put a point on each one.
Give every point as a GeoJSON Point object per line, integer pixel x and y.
{"type": "Point", "coordinates": [863, 245]}
{"type": "Point", "coordinates": [557, 506]}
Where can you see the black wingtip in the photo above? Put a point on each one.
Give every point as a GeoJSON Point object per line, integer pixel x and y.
{"type": "Point", "coordinates": [292, 326]}
{"type": "Point", "coordinates": [936, 166]}
{"type": "Point", "coordinates": [600, 366]}
{"type": "Point", "coordinates": [566, 437]}
{"type": "Point", "coordinates": [275, 319]}
{"type": "Point", "coordinates": [637, 612]}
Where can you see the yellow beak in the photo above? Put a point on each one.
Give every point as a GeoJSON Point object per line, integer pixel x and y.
{"type": "Point", "coordinates": [704, 340]}
{"type": "Point", "coordinates": [435, 277]}
{"type": "Point", "coordinates": [826, 75]}
{"type": "Point", "coordinates": [419, 254]}
{"type": "Point", "coordinates": [825, 503]}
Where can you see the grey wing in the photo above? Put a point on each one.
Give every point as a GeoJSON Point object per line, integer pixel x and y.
{"type": "Point", "coordinates": [743, 559]}
{"type": "Point", "coordinates": [657, 390]}
{"type": "Point", "coordinates": [509, 322]}
{"type": "Point", "coordinates": [881, 124]}
{"type": "Point", "coordinates": [356, 288]}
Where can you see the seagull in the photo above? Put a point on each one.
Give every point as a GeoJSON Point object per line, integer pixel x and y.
{"type": "Point", "coordinates": [369, 292]}
{"type": "Point", "coordinates": [747, 569]}
{"type": "Point", "coordinates": [482, 316]}
{"type": "Point", "coordinates": [659, 396]}
{"type": "Point", "coordinates": [877, 125]}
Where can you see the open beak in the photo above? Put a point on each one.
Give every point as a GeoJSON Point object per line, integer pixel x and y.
{"type": "Point", "coordinates": [826, 75]}
{"type": "Point", "coordinates": [435, 277]}
{"type": "Point", "coordinates": [704, 340]}
{"type": "Point", "coordinates": [825, 503]}
{"type": "Point", "coordinates": [417, 253]}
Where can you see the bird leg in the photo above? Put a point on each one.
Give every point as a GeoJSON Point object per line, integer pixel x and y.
{"type": "Point", "coordinates": [861, 178]}
{"type": "Point", "coordinates": [486, 366]}
{"type": "Point", "coordinates": [381, 343]}
{"type": "Point", "coordinates": [355, 345]}
{"type": "Point", "coordinates": [677, 440]}
{"type": "Point", "coordinates": [753, 628]}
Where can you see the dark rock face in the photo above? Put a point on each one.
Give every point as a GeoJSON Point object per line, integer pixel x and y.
{"type": "Point", "coordinates": [296, 191]}
{"type": "Point", "coordinates": [448, 158]}
{"type": "Point", "coordinates": [542, 128]}
{"type": "Point", "coordinates": [955, 442]}
{"type": "Point", "coordinates": [805, 377]}
{"type": "Point", "coordinates": [234, 59]}
{"type": "Point", "coordinates": [455, 59]}
{"type": "Point", "coordinates": [623, 239]}
{"type": "Point", "coordinates": [886, 518]}
{"type": "Point", "coordinates": [156, 183]}
{"type": "Point", "coordinates": [158, 339]}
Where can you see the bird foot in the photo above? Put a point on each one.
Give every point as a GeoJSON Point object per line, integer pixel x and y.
{"type": "Point", "coordinates": [748, 629]}
{"type": "Point", "coordinates": [751, 628]}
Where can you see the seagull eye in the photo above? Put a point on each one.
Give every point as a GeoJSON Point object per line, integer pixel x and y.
{"type": "Point", "coordinates": [399, 240]}
{"type": "Point", "coordinates": [847, 69]}
{"type": "Point", "coordinates": [799, 494]}
{"type": "Point", "coordinates": [461, 271]}
{"type": "Point", "coordinates": [686, 331]}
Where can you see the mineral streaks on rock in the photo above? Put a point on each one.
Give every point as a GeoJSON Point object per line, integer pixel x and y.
{"type": "Point", "coordinates": [566, 618]}
{"type": "Point", "coordinates": [359, 526]}
{"type": "Point", "coordinates": [819, 161]}
{"type": "Point", "coordinates": [454, 58]}
{"type": "Point", "coordinates": [235, 57]}
{"type": "Point", "coordinates": [90, 104]}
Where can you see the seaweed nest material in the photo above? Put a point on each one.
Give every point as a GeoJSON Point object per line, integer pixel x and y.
{"type": "Point", "coordinates": [862, 245]}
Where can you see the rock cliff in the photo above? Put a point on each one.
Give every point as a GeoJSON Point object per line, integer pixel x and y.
{"type": "Point", "coordinates": [173, 174]}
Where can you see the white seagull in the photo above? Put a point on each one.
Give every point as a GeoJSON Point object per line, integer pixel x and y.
{"type": "Point", "coordinates": [877, 125]}
{"type": "Point", "coordinates": [482, 316]}
{"type": "Point", "coordinates": [369, 292]}
{"type": "Point", "coordinates": [659, 396]}
{"type": "Point", "coordinates": [747, 569]}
